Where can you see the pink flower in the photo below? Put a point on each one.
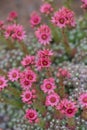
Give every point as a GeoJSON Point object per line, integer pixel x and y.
{"type": "Point", "coordinates": [43, 33]}
{"type": "Point", "coordinates": [31, 76]}
{"type": "Point", "coordinates": [67, 107]}
{"type": "Point", "coordinates": [25, 84]}
{"type": "Point", "coordinates": [83, 99]}
{"type": "Point", "coordinates": [45, 53]}
{"type": "Point", "coordinates": [46, 8]}
{"type": "Point", "coordinates": [12, 16]}
{"type": "Point", "coordinates": [43, 63]}
{"type": "Point", "coordinates": [52, 99]}
{"type": "Point", "coordinates": [28, 60]}
{"type": "Point", "coordinates": [16, 32]}
{"type": "Point", "coordinates": [63, 73]}
{"type": "Point", "coordinates": [27, 77]}
{"type": "Point", "coordinates": [61, 106]}
{"type": "Point", "coordinates": [63, 17]}
{"type": "Point", "coordinates": [48, 85]}
{"type": "Point", "coordinates": [19, 33]}
{"type": "Point", "coordinates": [70, 112]}
{"type": "Point", "coordinates": [13, 74]}
{"type": "Point", "coordinates": [28, 96]}
{"type": "Point", "coordinates": [35, 19]}
{"type": "Point", "coordinates": [84, 5]}
{"type": "Point", "coordinates": [31, 115]}
{"type": "Point", "coordinates": [10, 30]}
{"type": "Point", "coordinates": [3, 82]}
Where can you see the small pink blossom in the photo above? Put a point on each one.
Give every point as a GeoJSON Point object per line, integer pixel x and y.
{"type": "Point", "coordinates": [83, 100]}
{"type": "Point", "coordinates": [31, 115]}
{"type": "Point", "coordinates": [35, 19]}
{"type": "Point", "coordinates": [3, 82]}
{"type": "Point", "coordinates": [28, 60]}
{"type": "Point", "coordinates": [25, 84]}
{"type": "Point", "coordinates": [13, 74]}
{"type": "Point", "coordinates": [63, 17]}
{"type": "Point", "coordinates": [31, 76]}
{"type": "Point", "coordinates": [52, 100]}
{"type": "Point", "coordinates": [70, 112]}
{"type": "Point", "coordinates": [43, 34]}
{"type": "Point", "coordinates": [48, 85]}
{"type": "Point", "coordinates": [43, 63]}
{"type": "Point", "coordinates": [63, 73]}
{"type": "Point", "coordinates": [12, 16]}
{"type": "Point", "coordinates": [28, 96]}
{"type": "Point", "coordinates": [46, 8]}
{"type": "Point", "coordinates": [45, 53]}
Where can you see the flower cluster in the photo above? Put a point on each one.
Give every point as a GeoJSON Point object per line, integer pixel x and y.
{"type": "Point", "coordinates": [43, 33]}
{"type": "Point", "coordinates": [14, 31]}
{"type": "Point", "coordinates": [27, 77]}
{"type": "Point", "coordinates": [64, 17]}
{"type": "Point", "coordinates": [67, 108]}
{"type": "Point", "coordinates": [44, 59]}
{"type": "Point", "coordinates": [61, 93]}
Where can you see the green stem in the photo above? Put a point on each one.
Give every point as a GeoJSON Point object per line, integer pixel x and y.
{"type": "Point", "coordinates": [65, 43]}
{"type": "Point", "coordinates": [10, 44]}
{"type": "Point", "coordinates": [55, 33]}
{"type": "Point", "coordinates": [24, 48]}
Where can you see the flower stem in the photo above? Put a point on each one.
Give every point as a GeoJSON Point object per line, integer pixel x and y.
{"type": "Point", "coordinates": [24, 48]}
{"type": "Point", "coordinates": [65, 43]}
